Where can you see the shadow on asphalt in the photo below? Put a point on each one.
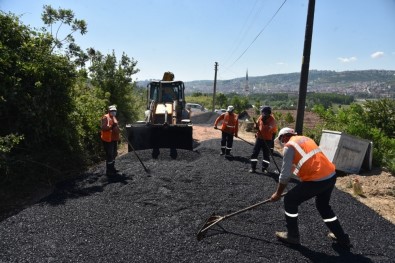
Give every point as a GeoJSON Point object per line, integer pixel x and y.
{"type": "Point", "coordinates": [344, 255]}
{"type": "Point", "coordinates": [313, 256]}
{"type": "Point", "coordinates": [73, 189]}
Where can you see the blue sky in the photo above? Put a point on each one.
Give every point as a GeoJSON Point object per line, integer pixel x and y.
{"type": "Point", "coordinates": [188, 36]}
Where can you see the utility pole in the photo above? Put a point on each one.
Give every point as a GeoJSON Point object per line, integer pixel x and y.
{"type": "Point", "coordinates": [215, 84]}
{"type": "Point", "coordinates": [304, 76]}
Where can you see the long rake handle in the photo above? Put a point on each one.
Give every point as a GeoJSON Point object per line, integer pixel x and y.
{"type": "Point", "coordinates": [131, 146]}
{"type": "Point", "coordinates": [246, 209]}
{"type": "Point", "coordinates": [274, 160]}
{"type": "Point", "coordinates": [237, 137]}
{"type": "Point", "coordinates": [246, 141]}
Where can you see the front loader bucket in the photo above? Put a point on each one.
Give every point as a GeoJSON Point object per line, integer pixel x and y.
{"type": "Point", "coordinates": [147, 136]}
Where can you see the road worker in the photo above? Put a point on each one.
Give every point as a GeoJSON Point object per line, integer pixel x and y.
{"type": "Point", "coordinates": [267, 129]}
{"type": "Point", "coordinates": [303, 158]}
{"type": "Point", "coordinates": [229, 128]}
{"type": "Point", "coordinates": [110, 136]}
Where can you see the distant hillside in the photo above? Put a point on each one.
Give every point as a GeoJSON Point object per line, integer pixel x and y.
{"type": "Point", "coordinates": [366, 83]}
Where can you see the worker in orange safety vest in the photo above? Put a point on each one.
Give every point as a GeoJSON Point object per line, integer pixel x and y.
{"type": "Point", "coordinates": [304, 159]}
{"type": "Point", "coordinates": [110, 136]}
{"type": "Point", "coordinates": [229, 128]}
{"type": "Point", "coordinates": [267, 129]}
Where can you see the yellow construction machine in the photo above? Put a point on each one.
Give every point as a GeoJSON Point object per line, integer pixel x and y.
{"type": "Point", "coordinates": [167, 123]}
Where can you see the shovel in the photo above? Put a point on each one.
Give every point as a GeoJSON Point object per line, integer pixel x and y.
{"type": "Point", "coordinates": [215, 219]}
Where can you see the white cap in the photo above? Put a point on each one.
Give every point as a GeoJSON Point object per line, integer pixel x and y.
{"type": "Point", "coordinates": [230, 108]}
{"type": "Point", "coordinates": [284, 131]}
{"type": "Point", "coordinates": [112, 108]}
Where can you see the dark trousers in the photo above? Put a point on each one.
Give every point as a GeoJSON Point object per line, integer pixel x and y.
{"type": "Point", "coordinates": [111, 149]}
{"type": "Point", "coordinates": [265, 146]}
{"type": "Point", "coordinates": [304, 191]}
{"type": "Point", "coordinates": [226, 141]}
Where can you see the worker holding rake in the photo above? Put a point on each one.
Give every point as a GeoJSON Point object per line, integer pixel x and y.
{"type": "Point", "coordinates": [267, 128]}
{"type": "Point", "coordinates": [303, 158]}
{"type": "Point", "coordinates": [229, 128]}
{"type": "Point", "coordinates": [110, 137]}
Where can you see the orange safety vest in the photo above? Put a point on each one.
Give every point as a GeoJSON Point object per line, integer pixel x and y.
{"type": "Point", "coordinates": [309, 162]}
{"type": "Point", "coordinates": [266, 128]}
{"type": "Point", "coordinates": [108, 132]}
{"type": "Point", "coordinates": [230, 123]}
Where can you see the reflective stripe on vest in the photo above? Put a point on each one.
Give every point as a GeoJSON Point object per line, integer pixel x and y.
{"type": "Point", "coordinates": [309, 166]}
{"type": "Point", "coordinates": [305, 156]}
{"type": "Point", "coordinates": [229, 119]}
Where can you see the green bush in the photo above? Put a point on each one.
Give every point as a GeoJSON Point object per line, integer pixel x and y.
{"type": "Point", "coordinates": [373, 120]}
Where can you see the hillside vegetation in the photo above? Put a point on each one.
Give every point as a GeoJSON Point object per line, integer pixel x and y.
{"type": "Point", "coordinates": [363, 84]}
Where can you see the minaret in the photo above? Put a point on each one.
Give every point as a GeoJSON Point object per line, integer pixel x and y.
{"type": "Point", "coordinates": [246, 87]}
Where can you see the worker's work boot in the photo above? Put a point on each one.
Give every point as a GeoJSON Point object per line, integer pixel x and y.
{"type": "Point", "coordinates": [287, 238]}
{"type": "Point", "coordinates": [222, 151]}
{"type": "Point", "coordinates": [264, 170]}
{"type": "Point", "coordinates": [109, 170]}
{"type": "Point", "coordinates": [113, 167]}
{"type": "Point", "coordinates": [343, 242]}
{"type": "Point", "coordinates": [337, 234]}
{"type": "Point", "coordinates": [155, 153]}
{"type": "Point", "coordinates": [173, 153]}
{"type": "Point", "coordinates": [253, 167]}
{"type": "Point", "coordinates": [228, 154]}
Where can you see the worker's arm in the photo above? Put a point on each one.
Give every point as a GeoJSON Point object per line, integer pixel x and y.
{"type": "Point", "coordinates": [221, 117]}
{"type": "Point", "coordinates": [286, 173]}
{"type": "Point", "coordinates": [277, 195]}
{"type": "Point", "coordinates": [105, 124]}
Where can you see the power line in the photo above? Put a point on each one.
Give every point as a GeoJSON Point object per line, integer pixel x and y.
{"type": "Point", "coordinates": [245, 28]}
{"type": "Point", "coordinates": [267, 24]}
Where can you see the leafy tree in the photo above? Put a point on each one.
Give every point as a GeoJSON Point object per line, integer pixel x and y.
{"type": "Point", "coordinates": [89, 106]}
{"type": "Point", "coordinates": [35, 98]}
{"type": "Point", "coordinates": [382, 114]}
{"type": "Point", "coordinates": [196, 94]}
{"type": "Point", "coordinates": [221, 100]}
{"type": "Point", "coordinates": [115, 80]}
{"type": "Point", "coordinates": [240, 104]}
{"type": "Point", "coordinates": [52, 18]}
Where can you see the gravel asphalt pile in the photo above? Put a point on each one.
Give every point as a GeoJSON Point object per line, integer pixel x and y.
{"type": "Point", "coordinates": [154, 217]}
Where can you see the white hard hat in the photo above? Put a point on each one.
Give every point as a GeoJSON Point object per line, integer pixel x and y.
{"type": "Point", "coordinates": [230, 108]}
{"type": "Point", "coordinates": [284, 131]}
{"type": "Point", "coordinates": [112, 108]}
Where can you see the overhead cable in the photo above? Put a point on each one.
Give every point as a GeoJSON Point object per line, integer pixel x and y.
{"type": "Point", "coordinates": [271, 19]}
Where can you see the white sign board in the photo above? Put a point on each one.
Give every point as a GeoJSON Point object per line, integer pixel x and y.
{"type": "Point", "coordinates": [345, 151]}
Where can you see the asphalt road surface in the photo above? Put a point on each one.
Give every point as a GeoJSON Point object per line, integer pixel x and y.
{"type": "Point", "coordinates": [155, 216]}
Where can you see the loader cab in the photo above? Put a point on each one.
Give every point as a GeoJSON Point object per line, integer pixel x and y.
{"type": "Point", "coordinates": [166, 92]}
{"type": "Point", "coordinates": [164, 125]}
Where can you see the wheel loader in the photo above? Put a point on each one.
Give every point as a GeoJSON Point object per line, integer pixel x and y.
{"type": "Point", "coordinates": [167, 123]}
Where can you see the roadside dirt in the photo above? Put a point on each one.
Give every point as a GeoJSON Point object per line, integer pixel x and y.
{"type": "Point", "coordinates": [378, 187]}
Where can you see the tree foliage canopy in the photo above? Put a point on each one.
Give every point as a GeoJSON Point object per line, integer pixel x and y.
{"type": "Point", "coordinates": [50, 107]}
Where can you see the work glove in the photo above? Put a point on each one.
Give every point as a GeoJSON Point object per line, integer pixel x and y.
{"type": "Point", "coordinates": [114, 124]}
{"type": "Point", "coordinates": [215, 127]}
{"type": "Point", "coordinates": [236, 135]}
